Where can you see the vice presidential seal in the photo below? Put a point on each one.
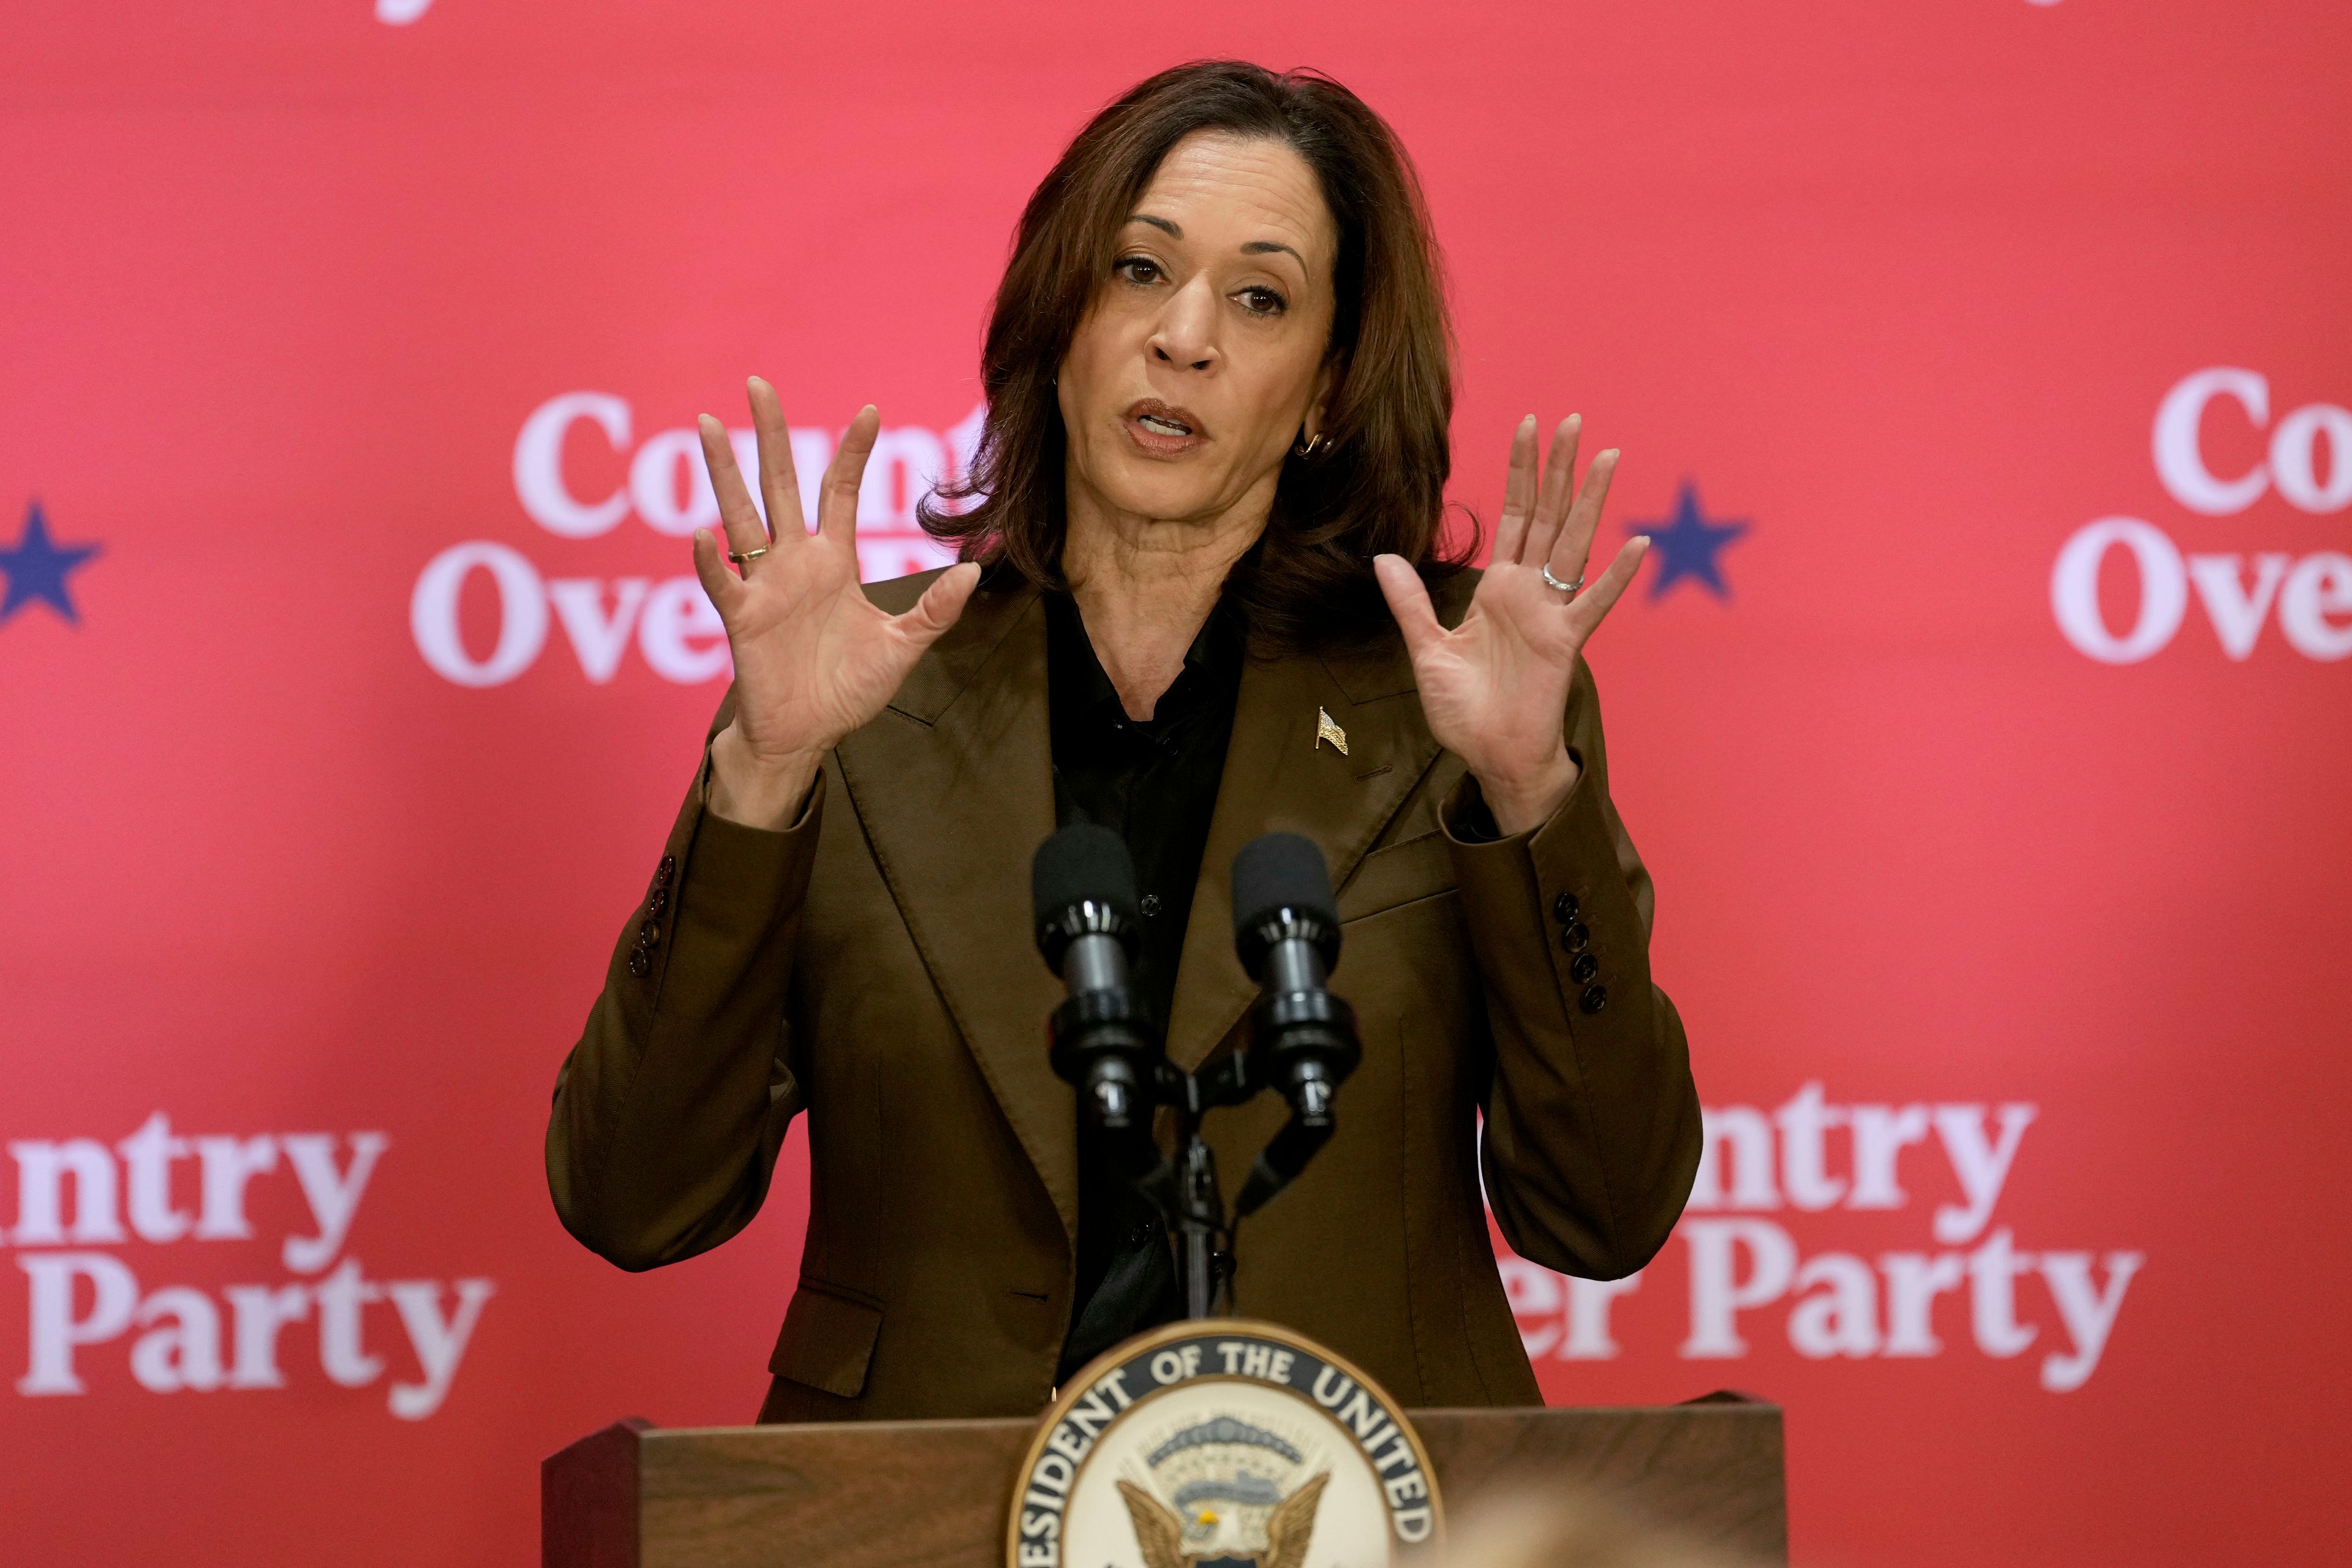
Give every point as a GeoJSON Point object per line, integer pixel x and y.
{"type": "Point", "coordinates": [1221, 1444]}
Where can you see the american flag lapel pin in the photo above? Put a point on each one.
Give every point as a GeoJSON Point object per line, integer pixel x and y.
{"type": "Point", "coordinates": [1327, 730]}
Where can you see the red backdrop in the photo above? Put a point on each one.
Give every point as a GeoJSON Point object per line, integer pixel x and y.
{"type": "Point", "coordinates": [1991, 771]}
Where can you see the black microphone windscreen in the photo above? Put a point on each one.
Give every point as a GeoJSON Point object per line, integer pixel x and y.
{"type": "Point", "coordinates": [1276, 871]}
{"type": "Point", "coordinates": [1082, 861]}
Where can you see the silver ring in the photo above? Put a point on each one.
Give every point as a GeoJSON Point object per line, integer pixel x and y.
{"type": "Point", "coordinates": [748, 556]}
{"type": "Point", "coordinates": [1570, 589]}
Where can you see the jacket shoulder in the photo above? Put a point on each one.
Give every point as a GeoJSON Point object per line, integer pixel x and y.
{"type": "Point", "coordinates": [898, 594]}
{"type": "Point", "coordinates": [1449, 595]}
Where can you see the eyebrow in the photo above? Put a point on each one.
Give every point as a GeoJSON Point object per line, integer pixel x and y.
{"type": "Point", "coordinates": [1255, 247]}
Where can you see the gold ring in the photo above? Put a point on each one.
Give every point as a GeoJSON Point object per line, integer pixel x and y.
{"type": "Point", "coordinates": [748, 556]}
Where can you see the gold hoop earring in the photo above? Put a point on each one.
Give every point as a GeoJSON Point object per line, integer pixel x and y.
{"type": "Point", "coordinates": [1308, 447]}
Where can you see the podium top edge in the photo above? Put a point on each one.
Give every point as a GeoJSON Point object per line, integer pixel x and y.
{"type": "Point", "coordinates": [1713, 1406]}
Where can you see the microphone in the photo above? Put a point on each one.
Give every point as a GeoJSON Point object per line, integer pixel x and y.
{"type": "Point", "coordinates": [1287, 932]}
{"type": "Point", "coordinates": [1102, 1041]}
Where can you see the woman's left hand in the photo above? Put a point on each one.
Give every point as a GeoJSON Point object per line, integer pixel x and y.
{"type": "Point", "coordinates": [1495, 687]}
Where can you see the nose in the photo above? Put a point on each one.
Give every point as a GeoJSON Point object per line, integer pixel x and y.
{"type": "Point", "coordinates": [1186, 335]}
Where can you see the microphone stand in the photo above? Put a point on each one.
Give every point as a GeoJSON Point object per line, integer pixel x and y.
{"type": "Point", "coordinates": [1185, 1188]}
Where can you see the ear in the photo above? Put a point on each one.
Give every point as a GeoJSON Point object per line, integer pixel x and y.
{"type": "Point", "coordinates": [1327, 388]}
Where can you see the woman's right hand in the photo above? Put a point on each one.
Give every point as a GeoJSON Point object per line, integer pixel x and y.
{"type": "Point", "coordinates": [814, 658]}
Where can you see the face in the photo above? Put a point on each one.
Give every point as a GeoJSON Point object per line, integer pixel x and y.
{"type": "Point", "coordinates": [1201, 358]}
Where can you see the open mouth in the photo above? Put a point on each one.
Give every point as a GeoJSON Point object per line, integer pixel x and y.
{"type": "Point", "coordinates": [1163, 429]}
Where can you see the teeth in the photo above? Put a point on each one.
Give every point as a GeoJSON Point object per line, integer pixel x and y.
{"type": "Point", "coordinates": [1158, 423]}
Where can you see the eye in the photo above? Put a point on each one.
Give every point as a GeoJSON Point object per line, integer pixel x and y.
{"type": "Point", "coordinates": [1139, 269]}
{"type": "Point", "coordinates": [1260, 301]}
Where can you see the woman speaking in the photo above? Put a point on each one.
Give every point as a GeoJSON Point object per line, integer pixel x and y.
{"type": "Point", "coordinates": [1201, 599]}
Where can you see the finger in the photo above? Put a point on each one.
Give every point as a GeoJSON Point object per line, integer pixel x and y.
{"type": "Point", "coordinates": [1408, 598]}
{"type": "Point", "coordinates": [780, 483]}
{"type": "Point", "coordinates": [836, 504]}
{"type": "Point", "coordinates": [726, 590]}
{"type": "Point", "coordinates": [1596, 600]}
{"type": "Point", "coordinates": [737, 514]}
{"type": "Point", "coordinates": [942, 603]}
{"type": "Point", "coordinates": [1559, 485]}
{"type": "Point", "coordinates": [1518, 496]}
{"type": "Point", "coordinates": [1574, 546]}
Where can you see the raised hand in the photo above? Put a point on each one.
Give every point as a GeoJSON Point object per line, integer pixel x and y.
{"type": "Point", "coordinates": [814, 658]}
{"type": "Point", "coordinates": [1493, 689]}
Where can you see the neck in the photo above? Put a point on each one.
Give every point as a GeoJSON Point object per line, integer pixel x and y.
{"type": "Point", "coordinates": [1145, 585]}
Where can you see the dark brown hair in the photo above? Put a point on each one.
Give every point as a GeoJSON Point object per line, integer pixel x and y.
{"type": "Point", "coordinates": [1378, 483]}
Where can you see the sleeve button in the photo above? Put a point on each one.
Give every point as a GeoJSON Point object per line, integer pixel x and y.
{"type": "Point", "coordinates": [657, 903]}
{"type": "Point", "coordinates": [1595, 998]}
{"type": "Point", "coordinates": [1576, 938]}
{"type": "Point", "coordinates": [1563, 908]}
{"type": "Point", "coordinates": [1585, 967]}
{"type": "Point", "coordinates": [668, 872]}
{"type": "Point", "coordinates": [649, 934]}
{"type": "Point", "coordinates": [639, 962]}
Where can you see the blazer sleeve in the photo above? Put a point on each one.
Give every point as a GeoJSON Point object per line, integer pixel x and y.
{"type": "Point", "coordinates": [671, 1109]}
{"type": "Point", "coordinates": [1592, 1129]}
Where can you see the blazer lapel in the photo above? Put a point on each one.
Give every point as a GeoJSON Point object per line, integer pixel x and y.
{"type": "Point", "coordinates": [953, 785]}
{"type": "Point", "coordinates": [1280, 777]}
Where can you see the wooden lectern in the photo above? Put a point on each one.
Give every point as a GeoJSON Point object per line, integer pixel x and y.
{"type": "Point", "coordinates": [935, 1493]}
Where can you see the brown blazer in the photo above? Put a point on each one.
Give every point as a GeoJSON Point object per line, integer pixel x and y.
{"type": "Point", "coordinates": [873, 966]}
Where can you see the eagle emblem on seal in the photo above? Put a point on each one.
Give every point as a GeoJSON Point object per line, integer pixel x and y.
{"type": "Point", "coordinates": [1217, 1499]}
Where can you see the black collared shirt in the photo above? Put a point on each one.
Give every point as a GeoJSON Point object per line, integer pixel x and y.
{"type": "Point", "coordinates": [1154, 783]}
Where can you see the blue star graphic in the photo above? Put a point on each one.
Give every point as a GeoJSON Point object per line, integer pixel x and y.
{"type": "Point", "coordinates": [1686, 544]}
{"type": "Point", "coordinates": [37, 569]}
